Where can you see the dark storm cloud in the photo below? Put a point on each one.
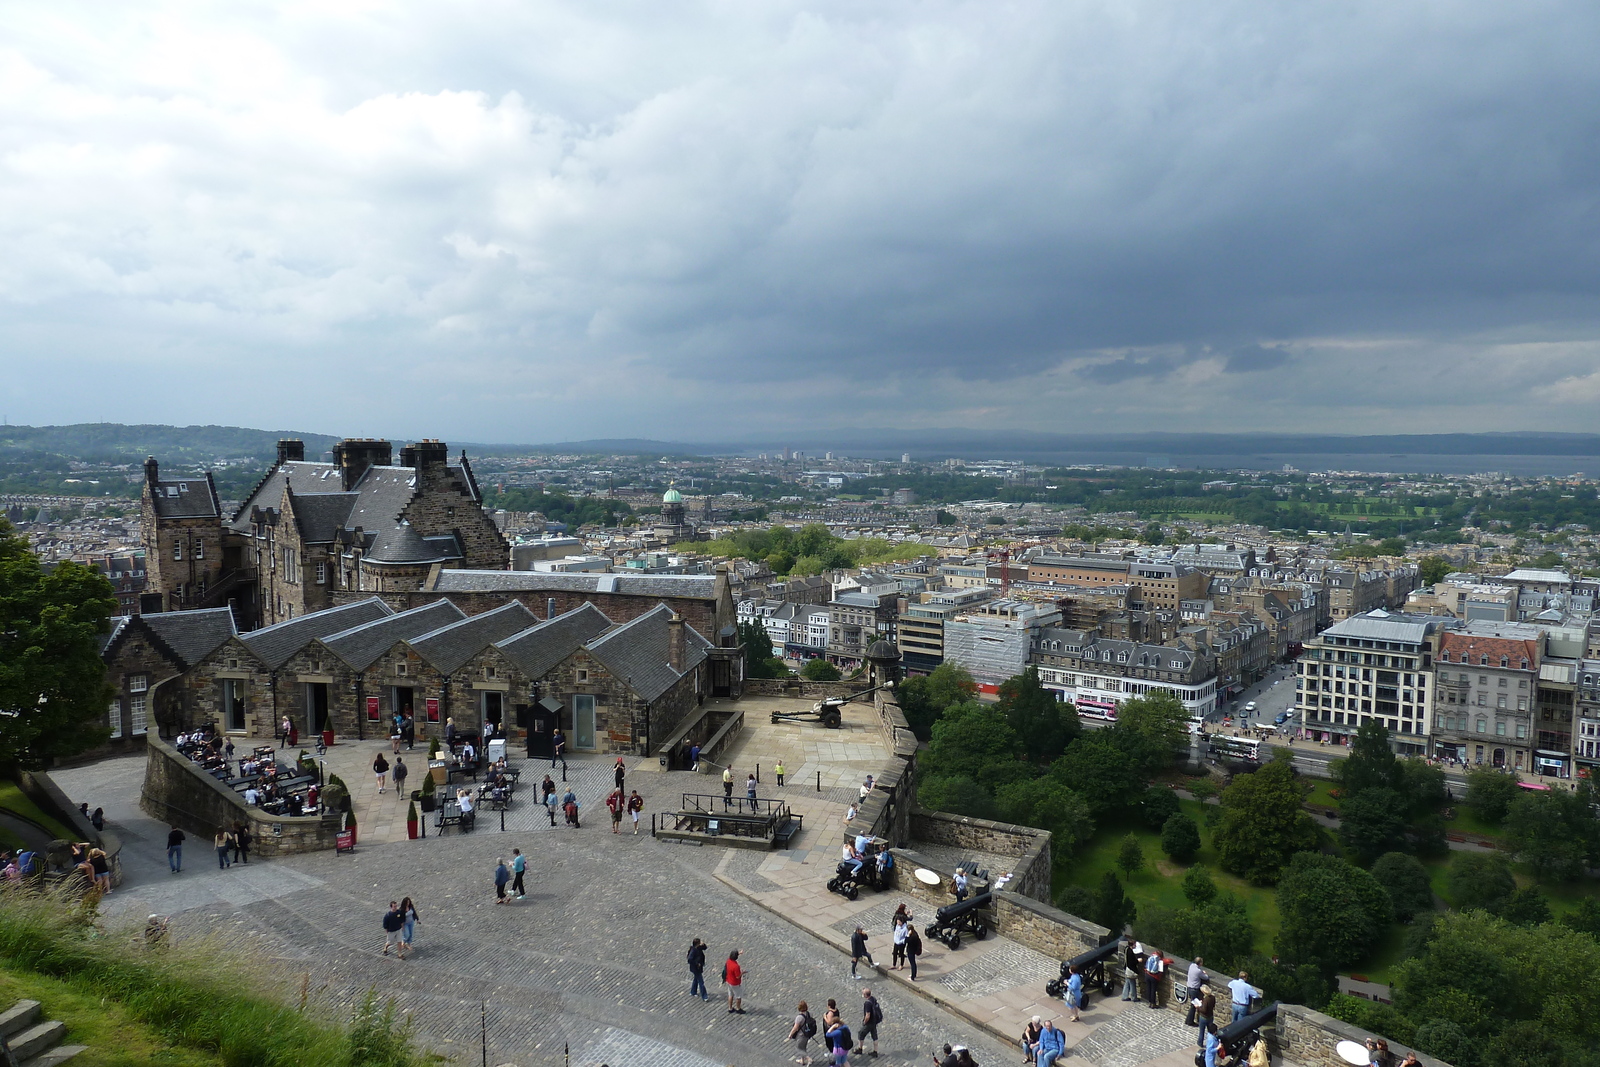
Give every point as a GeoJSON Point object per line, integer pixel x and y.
{"type": "Point", "coordinates": [960, 210]}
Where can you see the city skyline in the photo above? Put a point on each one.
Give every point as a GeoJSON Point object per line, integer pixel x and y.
{"type": "Point", "coordinates": [562, 224]}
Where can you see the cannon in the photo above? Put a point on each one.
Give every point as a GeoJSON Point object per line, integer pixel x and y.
{"type": "Point", "coordinates": [829, 714]}
{"type": "Point", "coordinates": [848, 884]}
{"type": "Point", "coordinates": [951, 920]}
{"type": "Point", "coordinates": [1239, 1035]}
{"type": "Point", "coordinates": [1092, 965]}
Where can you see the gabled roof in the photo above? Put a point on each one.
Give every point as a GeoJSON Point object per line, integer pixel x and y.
{"type": "Point", "coordinates": [538, 649]}
{"type": "Point", "coordinates": [192, 635]}
{"type": "Point", "coordinates": [697, 586]}
{"type": "Point", "coordinates": [320, 516]}
{"type": "Point", "coordinates": [637, 652]}
{"type": "Point", "coordinates": [185, 498]}
{"type": "Point", "coordinates": [449, 647]}
{"type": "Point", "coordinates": [360, 645]}
{"type": "Point", "coordinates": [119, 623]}
{"type": "Point", "coordinates": [275, 644]}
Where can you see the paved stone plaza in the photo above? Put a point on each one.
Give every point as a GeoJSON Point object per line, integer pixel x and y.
{"type": "Point", "coordinates": [592, 959]}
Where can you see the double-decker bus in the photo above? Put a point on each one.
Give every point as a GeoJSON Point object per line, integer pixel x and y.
{"type": "Point", "coordinates": [1235, 750]}
{"type": "Point", "coordinates": [1091, 708]}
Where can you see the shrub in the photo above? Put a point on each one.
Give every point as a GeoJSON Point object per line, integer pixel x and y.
{"type": "Point", "coordinates": [1198, 888]}
{"type": "Point", "coordinates": [1158, 805]}
{"type": "Point", "coordinates": [1480, 880]}
{"type": "Point", "coordinates": [1180, 838]}
{"type": "Point", "coordinates": [1130, 856]}
{"type": "Point", "coordinates": [1405, 879]}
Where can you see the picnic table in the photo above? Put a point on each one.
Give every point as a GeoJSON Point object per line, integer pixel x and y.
{"type": "Point", "coordinates": [450, 814]}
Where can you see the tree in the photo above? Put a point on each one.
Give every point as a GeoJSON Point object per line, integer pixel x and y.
{"type": "Point", "coordinates": [51, 675]}
{"type": "Point", "coordinates": [1157, 805]}
{"type": "Point", "coordinates": [1371, 823]}
{"type": "Point", "coordinates": [1480, 880]}
{"type": "Point", "coordinates": [1264, 824]}
{"type": "Point", "coordinates": [1526, 907]}
{"type": "Point", "coordinates": [924, 699]}
{"type": "Point", "coordinates": [1405, 879]}
{"type": "Point", "coordinates": [1152, 534]}
{"type": "Point", "coordinates": [1180, 838]}
{"type": "Point", "coordinates": [1371, 764]}
{"type": "Point", "coordinates": [1445, 1040]}
{"type": "Point", "coordinates": [1100, 771]}
{"type": "Point", "coordinates": [1076, 900]}
{"type": "Point", "coordinates": [1049, 805]}
{"type": "Point", "coordinates": [1333, 911]}
{"type": "Point", "coordinates": [758, 656]}
{"type": "Point", "coordinates": [819, 670]}
{"type": "Point", "coordinates": [1112, 908]}
{"type": "Point", "coordinates": [1490, 793]}
{"type": "Point", "coordinates": [1554, 832]}
{"type": "Point", "coordinates": [1198, 888]}
{"type": "Point", "coordinates": [1130, 855]}
{"type": "Point", "coordinates": [955, 794]}
{"type": "Point", "coordinates": [1153, 729]}
{"type": "Point", "coordinates": [969, 738]}
{"type": "Point", "coordinates": [1045, 724]}
{"type": "Point", "coordinates": [1432, 569]}
{"type": "Point", "coordinates": [1585, 917]}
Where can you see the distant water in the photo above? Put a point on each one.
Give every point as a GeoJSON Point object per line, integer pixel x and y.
{"type": "Point", "coordinates": [1375, 463]}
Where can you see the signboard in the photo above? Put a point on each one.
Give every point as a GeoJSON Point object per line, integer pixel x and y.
{"type": "Point", "coordinates": [344, 841]}
{"type": "Point", "coordinates": [432, 704]}
{"type": "Point", "coordinates": [372, 709]}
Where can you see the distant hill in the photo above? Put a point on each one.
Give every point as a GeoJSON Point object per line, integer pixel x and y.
{"type": "Point", "coordinates": [105, 442]}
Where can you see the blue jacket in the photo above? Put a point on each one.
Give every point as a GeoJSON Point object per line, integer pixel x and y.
{"type": "Point", "coordinates": [501, 875]}
{"type": "Point", "coordinates": [1052, 1039]}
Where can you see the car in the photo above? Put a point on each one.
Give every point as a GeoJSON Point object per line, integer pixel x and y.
{"type": "Point", "coordinates": [1280, 718]}
{"type": "Point", "coordinates": [1251, 706]}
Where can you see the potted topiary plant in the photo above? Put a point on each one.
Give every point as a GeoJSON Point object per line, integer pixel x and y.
{"type": "Point", "coordinates": [411, 822]}
{"type": "Point", "coordinates": [433, 748]}
{"type": "Point", "coordinates": [428, 798]}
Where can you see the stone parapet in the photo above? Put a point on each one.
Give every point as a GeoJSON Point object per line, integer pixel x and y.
{"type": "Point", "coordinates": [1308, 1038]}
{"type": "Point", "coordinates": [1030, 847]}
{"type": "Point", "coordinates": [1044, 929]}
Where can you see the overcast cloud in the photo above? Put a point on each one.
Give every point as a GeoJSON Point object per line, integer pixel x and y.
{"type": "Point", "coordinates": [542, 221]}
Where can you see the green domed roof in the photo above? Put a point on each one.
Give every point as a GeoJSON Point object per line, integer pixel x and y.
{"type": "Point", "coordinates": [672, 496]}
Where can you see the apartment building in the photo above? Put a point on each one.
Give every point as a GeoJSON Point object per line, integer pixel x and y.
{"type": "Point", "coordinates": [1096, 673]}
{"type": "Point", "coordinates": [1376, 665]}
{"type": "Point", "coordinates": [1485, 693]}
{"type": "Point", "coordinates": [920, 635]}
{"type": "Point", "coordinates": [993, 640]}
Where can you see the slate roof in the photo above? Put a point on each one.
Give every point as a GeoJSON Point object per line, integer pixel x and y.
{"type": "Point", "coordinates": [449, 647]}
{"type": "Point", "coordinates": [192, 635]}
{"type": "Point", "coordinates": [360, 645]}
{"type": "Point", "coordinates": [185, 498]}
{"type": "Point", "coordinates": [637, 651]}
{"type": "Point", "coordinates": [694, 586]}
{"type": "Point", "coordinates": [539, 648]}
{"type": "Point", "coordinates": [321, 516]}
{"type": "Point", "coordinates": [1380, 625]}
{"type": "Point", "coordinates": [118, 624]}
{"type": "Point", "coordinates": [275, 644]}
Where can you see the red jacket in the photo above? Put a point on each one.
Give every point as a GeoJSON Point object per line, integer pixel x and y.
{"type": "Point", "coordinates": [732, 973]}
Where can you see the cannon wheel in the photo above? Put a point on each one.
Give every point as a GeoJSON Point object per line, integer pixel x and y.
{"type": "Point", "coordinates": [980, 932]}
{"type": "Point", "coordinates": [831, 719]}
{"type": "Point", "coordinates": [953, 940]}
{"type": "Point", "coordinates": [932, 931]}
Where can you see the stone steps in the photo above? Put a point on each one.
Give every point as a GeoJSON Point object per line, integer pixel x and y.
{"type": "Point", "coordinates": [31, 1041]}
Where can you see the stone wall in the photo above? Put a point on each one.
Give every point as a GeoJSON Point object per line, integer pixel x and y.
{"type": "Point", "coordinates": [179, 793]}
{"type": "Point", "coordinates": [1309, 1038]}
{"type": "Point", "coordinates": [43, 791]}
{"type": "Point", "coordinates": [1043, 928]}
{"type": "Point", "coordinates": [800, 688]}
{"type": "Point", "coordinates": [1029, 847]}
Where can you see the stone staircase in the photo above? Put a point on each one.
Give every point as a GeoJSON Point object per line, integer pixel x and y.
{"type": "Point", "coordinates": [32, 1041]}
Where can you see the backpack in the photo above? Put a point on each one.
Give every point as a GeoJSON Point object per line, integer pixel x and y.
{"type": "Point", "coordinates": [845, 1040]}
{"type": "Point", "coordinates": [877, 1013]}
{"type": "Point", "coordinates": [27, 863]}
{"type": "Point", "coordinates": [808, 1025]}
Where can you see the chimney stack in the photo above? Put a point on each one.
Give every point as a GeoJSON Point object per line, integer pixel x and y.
{"type": "Point", "coordinates": [550, 608]}
{"type": "Point", "coordinates": [291, 450]}
{"type": "Point", "coordinates": [675, 649]}
{"type": "Point", "coordinates": [152, 470]}
{"type": "Point", "coordinates": [354, 455]}
{"type": "Point", "coordinates": [424, 453]}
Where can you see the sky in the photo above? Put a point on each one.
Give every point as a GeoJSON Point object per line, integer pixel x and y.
{"type": "Point", "coordinates": [533, 221]}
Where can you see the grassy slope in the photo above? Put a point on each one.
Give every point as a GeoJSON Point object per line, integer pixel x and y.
{"type": "Point", "coordinates": [14, 800]}
{"type": "Point", "coordinates": [114, 1037]}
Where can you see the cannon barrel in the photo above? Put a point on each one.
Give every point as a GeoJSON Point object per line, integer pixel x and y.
{"type": "Point", "coordinates": [951, 912]}
{"type": "Point", "coordinates": [1235, 1031]}
{"type": "Point", "coordinates": [1084, 960]}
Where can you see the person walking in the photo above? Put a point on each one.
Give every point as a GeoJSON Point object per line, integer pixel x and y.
{"type": "Point", "coordinates": [519, 866]}
{"type": "Point", "coordinates": [1193, 982]}
{"type": "Point", "coordinates": [1155, 965]}
{"type": "Point", "coordinates": [550, 804]}
{"type": "Point", "coordinates": [839, 1041]}
{"type": "Point", "coordinates": [697, 969]}
{"type": "Point", "coordinates": [635, 806]}
{"type": "Point", "coordinates": [898, 959]}
{"type": "Point", "coordinates": [223, 841]}
{"type": "Point", "coordinates": [1205, 1016]}
{"type": "Point", "coordinates": [733, 978]}
{"type": "Point", "coordinates": [241, 842]}
{"type": "Point", "coordinates": [558, 750]}
{"type": "Point", "coordinates": [408, 732]}
{"type": "Point", "coordinates": [393, 924]}
{"type": "Point", "coordinates": [1211, 1044]}
{"type": "Point", "coordinates": [380, 767]}
{"type": "Point", "coordinates": [502, 875]}
{"type": "Point", "coordinates": [175, 839]}
{"type": "Point", "coordinates": [1074, 993]}
{"type": "Point", "coordinates": [694, 756]}
{"type": "Point", "coordinates": [871, 1016]}
{"type": "Point", "coordinates": [569, 804]}
{"type": "Point", "coordinates": [616, 803]}
{"type": "Point", "coordinates": [727, 787]}
{"type": "Point", "coordinates": [283, 732]}
{"type": "Point", "coordinates": [750, 792]}
{"type": "Point", "coordinates": [913, 947]}
{"type": "Point", "coordinates": [401, 772]}
{"type": "Point", "coordinates": [619, 772]}
{"type": "Point", "coordinates": [408, 916]}
{"type": "Point", "coordinates": [801, 1033]}
{"type": "Point", "coordinates": [858, 951]}
{"type": "Point", "coordinates": [1132, 967]}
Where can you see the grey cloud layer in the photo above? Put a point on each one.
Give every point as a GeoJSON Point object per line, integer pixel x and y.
{"type": "Point", "coordinates": [957, 212]}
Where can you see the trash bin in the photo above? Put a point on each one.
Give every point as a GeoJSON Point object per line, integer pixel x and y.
{"type": "Point", "coordinates": [496, 750]}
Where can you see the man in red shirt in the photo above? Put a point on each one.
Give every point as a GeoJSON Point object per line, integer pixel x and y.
{"type": "Point", "coordinates": [733, 978]}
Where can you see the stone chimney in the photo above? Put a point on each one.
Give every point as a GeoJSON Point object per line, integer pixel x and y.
{"type": "Point", "coordinates": [354, 455]}
{"type": "Point", "coordinates": [291, 450]}
{"type": "Point", "coordinates": [152, 470]}
{"type": "Point", "coordinates": [675, 639]}
{"type": "Point", "coordinates": [424, 453]}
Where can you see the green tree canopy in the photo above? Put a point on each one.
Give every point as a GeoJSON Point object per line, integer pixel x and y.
{"type": "Point", "coordinates": [1555, 832]}
{"type": "Point", "coordinates": [954, 793]}
{"type": "Point", "coordinates": [1490, 793]}
{"type": "Point", "coordinates": [1157, 804]}
{"type": "Point", "coordinates": [1371, 763]}
{"type": "Point", "coordinates": [1112, 907]}
{"type": "Point", "coordinates": [967, 740]}
{"type": "Point", "coordinates": [1405, 879]}
{"type": "Point", "coordinates": [51, 675]}
{"type": "Point", "coordinates": [1180, 838]}
{"type": "Point", "coordinates": [1480, 880]}
{"type": "Point", "coordinates": [1333, 912]}
{"type": "Point", "coordinates": [924, 699]}
{"type": "Point", "coordinates": [1154, 729]}
{"type": "Point", "coordinates": [1432, 569]}
{"type": "Point", "coordinates": [1198, 888]}
{"type": "Point", "coordinates": [758, 656]}
{"type": "Point", "coordinates": [1526, 907]}
{"type": "Point", "coordinates": [1130, 855]}
{"type": "Point", "coordinates": [1101, 772]}
{"type": "Point", "coordinates": [1048, 805]}
{"type": "Point", "coordinates": [1045, 725]}
{"type": "Point", "coordinates": [1264, 824]}
{"type": "Point", "coordinates": [1585, 917]}
{"type": "Point", "coordinates": [1371, 823]}
{"type": "Point", "coordinates": [819, 670]}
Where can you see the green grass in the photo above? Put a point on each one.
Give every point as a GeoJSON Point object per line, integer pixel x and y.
{"type": "Point", "coordinates": [1321, 795]}
{"type": "Point", "coordinates": [1160, 882]}
{"type": "Point", "coordinates": [18, 803]}
{"type": "Point", "coordinates": [114, 1037]}
{"type": "Point", "coordinates": [1468, 823]}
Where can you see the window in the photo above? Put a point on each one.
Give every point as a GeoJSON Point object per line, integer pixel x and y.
{"type": "Point", "coordinates": [1502, 683]}
{"type": "Point", "coordinates": [138, 683]}
{"type": "Point", "coordinates": [1500, 728]}
{"type": "Point", "coordinates": [114, 718]}
{"type": "Point", "coordinates": [177, 550]}
{"type": "Point", "coordinates": [138, 716]}
{"type": "Point", "coordinates": [322, 573]}
{"type": "Point", "coordinates": [1505, 661]}
{"type": "Point", "coordinates": [1483, 725]}
{"type": "Point", "coordinates": [1522, 729]}
{"type": "Point", "coordinates": [583, 675]}
{"type": "Point", "coordinates": [199, 553]}
{"type": "Point", "coordinates": [400, 668]}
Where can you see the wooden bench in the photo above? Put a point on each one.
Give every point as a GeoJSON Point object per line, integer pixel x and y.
{"type": "Point", "coordinates": [787, 829]}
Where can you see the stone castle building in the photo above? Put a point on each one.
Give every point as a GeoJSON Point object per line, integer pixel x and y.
{"type": "Point", "coordinates": [313, 534]}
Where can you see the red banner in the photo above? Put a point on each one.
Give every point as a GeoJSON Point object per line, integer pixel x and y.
{"type": "Point", "coordinates": [433, 708]}
{"type": "Point", "coordinates": [372, 709]}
